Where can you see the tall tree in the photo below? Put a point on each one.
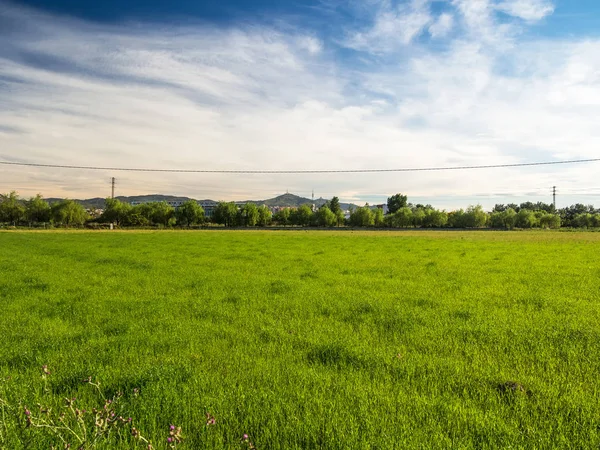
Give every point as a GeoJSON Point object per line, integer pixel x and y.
{"type": "Point", "coordinates": [378, 219]}
{"type": "Point", "coordinates": [283, 216]}
{"type": "Point", "coordinates": [264, 216]}
{"type": "Point", "coordinates": [336, 209]}
{"type": "Point", "coordinates": [395, 202]}
{"type": "Point", "coordinates": [37, 209]}
{"type": "Point", "coordinates": [226, 214]}
{"type": "Point", "coordinates": [304, 216]}
{"type": "Point", "coordinates": [334, 205]}
{"type": "Point", "coordinates": [140, 215]}
{"type": "Point", "coordinates": [324, 217]}
{"type": "Point", "coordinates": [189, 213]}
{"type": "Point", "coordinates": [68, 213]}
{"type": "Point", "coordinates": [526, 219]}
{"type": "Point", "coordinates": [475, 217]}
{"type": "Point", "coordinates": [362, 217]}
{"type": "Point", "coordinates": [403, 218]}
{"type": "Point", "coordinates": [161, 213]}
{"type": "Point", "coordinates": [434, 218]}
{"type": "Point", "coordinates": [250, 214]}
{"type": "Point", "coordinates": [11, 208]}
{"type": "Point", "coordinates": [115, 211]}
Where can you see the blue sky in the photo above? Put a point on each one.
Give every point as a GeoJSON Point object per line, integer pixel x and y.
{"type": "Point", "coordinates": [325, 84]}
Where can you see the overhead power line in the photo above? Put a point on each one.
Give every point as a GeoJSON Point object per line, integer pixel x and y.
{"type": "Point", "coordinates": [407, 169]}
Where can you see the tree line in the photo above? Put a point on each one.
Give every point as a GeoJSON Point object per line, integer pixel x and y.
{"type": "Point", "coordinates": [36, 211]}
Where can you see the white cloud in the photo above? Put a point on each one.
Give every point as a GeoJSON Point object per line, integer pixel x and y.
{"type": "Point", "coordinates": [393, 26]}
{"type": "Point", "coordinates": [442, 26]}
{"type": "Point", "coordinates": [256, 97]}
{"type": "Point", "coordinates": [310, 44]}
{"type": "Point", "coordinates": [530, 10]}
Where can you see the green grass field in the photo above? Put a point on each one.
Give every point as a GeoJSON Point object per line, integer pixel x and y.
{"type": "Point", "coordinates": [301, 339]}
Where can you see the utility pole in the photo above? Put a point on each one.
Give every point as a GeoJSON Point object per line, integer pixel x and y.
{"type": "Point", "coordinates": [554, 197]}
{"type": "Point", "coordinates": [112, 194]}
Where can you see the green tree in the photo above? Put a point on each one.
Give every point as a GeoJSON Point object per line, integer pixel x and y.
{"type": "Point", "coordinates": [115, 211]}
{"type": "Point", "coordinates": [457, 219]}
{"type": "Point", "coordinates": [395, 202]}
{"type": "Point", "coordinates": [283, 217]}
{"type": "Point", "coordinates": [303, 216]}
{"type": "Point", "coordinates": [11, 208]}
{"type": "Point", "coordinates": [189, 213]}
{"type": "Point", "coordinates": [568, 214]}
{"type": "Point", "coordinates": [418, 217]}
{"type": "Point", "coordinates": [583, 220]}
{"type": "Point", "coordinates": [226, 214]}
{"type": "Point", "coordinates": [362, 217]}
{"type": "Point", "coordinates": [402, 218]}
{"type": "Point", "coordinates": [378, 219]}
{"type": "Point", "coordinates": [334, 205]}
{"type": "Point", "coordinates": [250, 214]}
{"type": "Point", "coordinates": [434, 218]}
{"type": "Point", "coordinates": [68, 213]}
{"type": "Point", "coordinates": [506, 219]}
{"type": "Point", "coordinates": [37, 210]}
{"type": "Point", "coordinates": [324, 217]}
{"type": "Point", "coordinates": [526, 219]}
{"type": "Point", "coordinates": [161, 213]}
{"type": "Point", "coordinates": [140, 216]}
{"type": "Point", "coordinates": [264, 216]}
{"type": "Point", "coordinates": [549, 220]}
{"type": "Point", "coordinates": [475, 217]}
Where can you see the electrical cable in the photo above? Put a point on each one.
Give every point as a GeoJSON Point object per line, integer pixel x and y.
{"type": "Point", "coordinates": [414, 169]}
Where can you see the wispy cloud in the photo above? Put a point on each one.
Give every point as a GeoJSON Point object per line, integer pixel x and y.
{"type": "Point", "coordinates": [425, 87]}
{"type": "Point", "coordinates": [530, 10]}
{"type": "Point", "coordinates": [393, 25]}
{"type": "Point", "coordinates": [442, 26]}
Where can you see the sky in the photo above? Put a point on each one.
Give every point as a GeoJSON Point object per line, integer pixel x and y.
{"type": "Point", "coordinates": [302, 85]}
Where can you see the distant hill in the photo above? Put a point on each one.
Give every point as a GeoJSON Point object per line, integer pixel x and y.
{"type": "Point", "coordinates": [294, 201]}
{"type": "Point", "coordinates": [98, 202]}
{"type": "Point", "coordinates": [288, 200]}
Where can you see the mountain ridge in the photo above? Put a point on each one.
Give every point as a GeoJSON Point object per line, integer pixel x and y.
{"type": "Point", "coordinates": [283, 200]}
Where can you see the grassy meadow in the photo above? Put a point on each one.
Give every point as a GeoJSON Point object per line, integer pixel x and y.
{"type": "Point", "coordinates": [300, 340]}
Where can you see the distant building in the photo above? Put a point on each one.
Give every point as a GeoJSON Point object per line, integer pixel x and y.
{"type": "Point", "coordinates": [207, 205]}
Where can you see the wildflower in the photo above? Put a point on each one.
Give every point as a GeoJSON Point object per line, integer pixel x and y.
{"type": "Point", "coordinates": [27, 417]}
{"type": "Point", "coordinates": [210, 420]}
{"type": "Point", "coordinates": [245, 437]}
{"type": "Point", "coordinates": [175, 436]}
